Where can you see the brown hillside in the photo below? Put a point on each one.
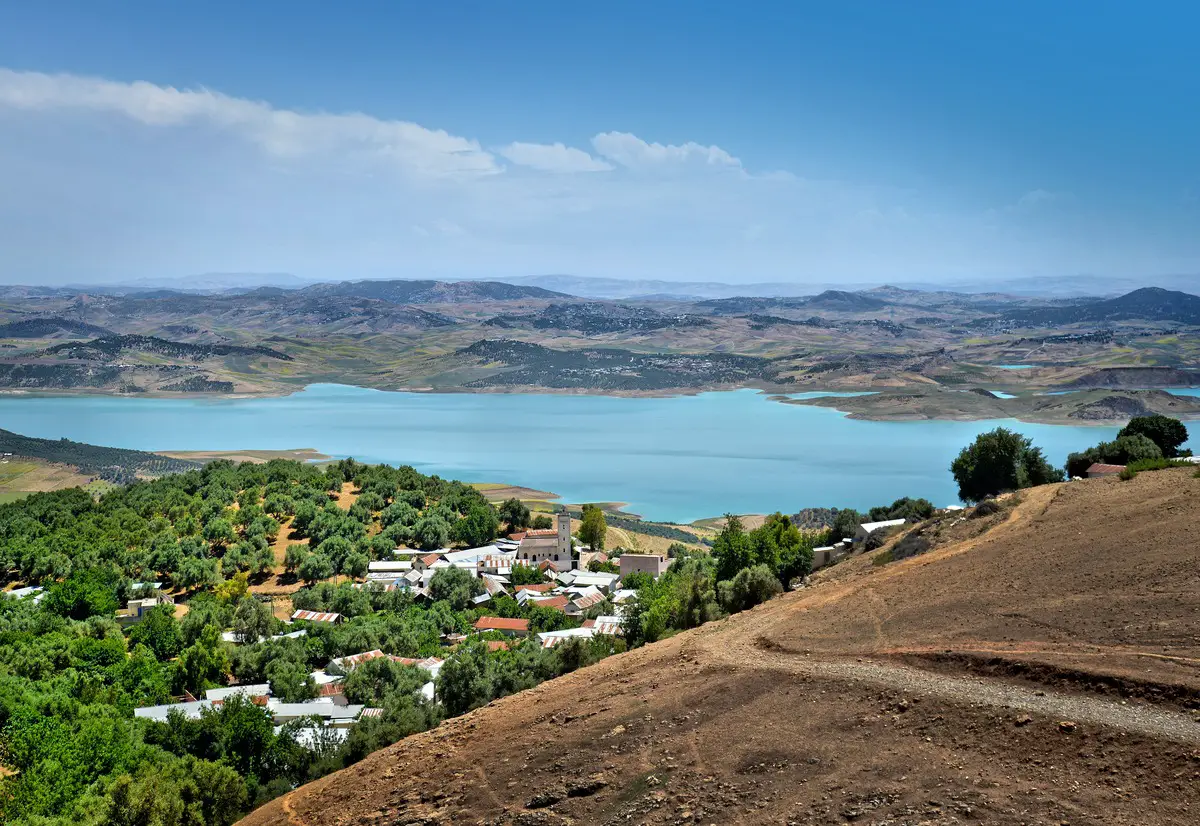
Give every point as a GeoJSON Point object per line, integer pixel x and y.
{"type": "Point", "coordinates": [1045, 672]}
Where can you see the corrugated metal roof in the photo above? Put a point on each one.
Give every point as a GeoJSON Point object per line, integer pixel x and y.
{"type": "Point", "coordinates": [317, 616]}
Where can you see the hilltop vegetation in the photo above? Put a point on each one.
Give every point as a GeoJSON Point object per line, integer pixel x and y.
{"type": "Point", "coordinates": [111, 346]}
{"type": "Point", "coordinates": [113, 463]}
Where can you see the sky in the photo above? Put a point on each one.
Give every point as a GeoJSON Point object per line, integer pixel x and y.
{"type": "Point", "coordinates": [738, 142]}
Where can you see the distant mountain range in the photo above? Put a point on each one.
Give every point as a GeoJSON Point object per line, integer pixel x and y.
{"type": "Point", "coordinates": [1153, 303]}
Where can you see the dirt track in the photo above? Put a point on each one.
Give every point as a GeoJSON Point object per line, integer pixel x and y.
{"type": "Point", "coordinates": [1031, 675]}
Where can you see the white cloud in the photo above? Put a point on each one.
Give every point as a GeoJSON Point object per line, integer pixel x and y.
{"type": "Point", "coordinates": [281, 133]}
{"type": "Point", "coordinates": [553, 157]}
{"type": "Point", "coordinates": [633, 152]}
{"type": "Point", "coordinates": [108, 180]}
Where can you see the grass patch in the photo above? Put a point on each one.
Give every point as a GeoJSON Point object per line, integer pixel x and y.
{"type": "Point", "coordinates": [881, 559]}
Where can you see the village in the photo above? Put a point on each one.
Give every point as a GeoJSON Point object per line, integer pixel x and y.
{"type": "Point", "coordinates": [569, 587]}
{"type": "Point", "coordinates": [573, 584]}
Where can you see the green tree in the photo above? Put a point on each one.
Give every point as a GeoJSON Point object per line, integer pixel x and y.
{"type": "Point", "coordinates": [478, 527]}
{"type": "Point", "coordinates": [455, 586]}
{"type": "Point", "coordinates": [252, 620]}
{"type": "Point", "coordinates": [431, 533]}
{"type": "Point", "coordinates": [219, 532]}
{"type": "Point", "coordinates": [845, 524]}
{"type": "Point", "coordinates": [86, 592]}
{"type": "Point", "coordinates": [160, 632]}
{"type": "Point", "coordinates": [515, 513]}
{"type": "Point", "coordinates": [291, 681]}
{"type": "Point", "coordinates": [592, 527]}
{"type": "Point", "coordinates": [732, 549]}
{"type": "Point", "coordinates": [1000, 461]}
{"type": "Point", "coordinates": [525, 575]}
{"type": "Point", "coordinates": [314, 568]}
{"type": "Point", "coordinates": [1121, 451]}
{"type": "Point", "coordinates": [294, 556]}
{"type": "Point", "coordinates": [355, 564]}
{"type": "Point", "coordinates": [1167, 433]}
{"type": "Point", "coordinates": [464, 681]}
{"type": "Point", "coordinates": [205, 663]}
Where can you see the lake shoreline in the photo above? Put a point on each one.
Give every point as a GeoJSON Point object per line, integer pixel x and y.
{"type": "Point", "coordinates": [855, 402]}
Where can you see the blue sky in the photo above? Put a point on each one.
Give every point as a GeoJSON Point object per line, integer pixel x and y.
{"type": "Point", "coordinates": [855, 141]}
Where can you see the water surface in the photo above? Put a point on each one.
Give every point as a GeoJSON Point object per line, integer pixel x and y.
{"type": "Point", "coordinates": [678, 458]}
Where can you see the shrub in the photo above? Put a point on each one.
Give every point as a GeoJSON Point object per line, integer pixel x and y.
{"type": "Point", "coordinates": [750, 587]}
{"type": "Point", "coordinates": [986, 508]}
{"type": "Point", "coordinates": [1155, 464]}
{"type": "Point", "coordinates": [1126, 474]}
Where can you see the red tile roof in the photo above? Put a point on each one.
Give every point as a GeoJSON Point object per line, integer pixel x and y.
{"type": "Point", "coordinates": [429, 559]}
{"type": "Point", "coordinates": [540, 588]}
{"type": "Point", "coordinates": [517, 537]}
{"type": "Point", "coordinates": [498, 645]}
{"type": "Point", "coordinates": [1100, 467]}
{"type": "Point", "coordinates": [501, 624]}
{"type": "Point", "coordinates": [558, 603]}
{"type": "Point", "coordinates": [541, 532]}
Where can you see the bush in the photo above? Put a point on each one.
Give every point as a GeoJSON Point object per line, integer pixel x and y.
{"type": "Point", "coordinates": [987, 507]}
{"type": "Point", "coordinates": [1126, 474]}
{"type": "Point", "coordinates": [1166, 433]}
{"type": "Point", "coordinates": [750, 587]}
{"type": "Point", "coordinates": [1155, 464]}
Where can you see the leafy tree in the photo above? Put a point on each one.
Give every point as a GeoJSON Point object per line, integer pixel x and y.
{"type": "Point", "coordinates": [541, 522]}
{"type": "Point", "coordinates": [999, 461]}
{"type": "Point", "coordinates": [290, 680]}
{"type": "Point", "coordinates": [732, 549]}
{"type": "Point", "coordinates": [521, 574]}
{"type": "Point", "coordinates": [464, 681]}
{"type": "Point", "coordinates": [1123, 450]}
{"type": "Point", "coordinates": [431, 533]}
{"type": "Point", "coordinates": [592, 527]}
{"type": "Point", "coordinates": [160, 632]}
{"type": "Point", "coordinates": [252, 620]}
{"type": "Point", "coordinates": [906, 507]}
{"type": "Point", "coordinates": [234, 589]}
{"type": "Point", "coordinates": [219, 532]}
{"type": "Point", "coordinates": [205, 663]}
{"type": "Point", "coordinates": [845, 524]}
{"type": "Point", "coordinates": [1167, 433]}
{"type": "Point", "coordinates": [86, 592]}
{"type": "Point", "coordinates": [603, 566]}
{"type": "Point", "coordinates": [372, 681]}
{"type": "Point", "coordinates": [355, 564]}
{"type": "Point", "coordinates": [315, 567]}
{"type": "Point", "coordinates": [294, 556]}
{"type": "Point", "coordinates": [515, 513]}
{"type": "Point", "coordinates": [478, 527]}
{"type": "Point", "coordinates": [455, 586]}
{"type": "Point", "coordinates": [195, 573]}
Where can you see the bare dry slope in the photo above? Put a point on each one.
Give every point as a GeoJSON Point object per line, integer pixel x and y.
{"type": "Point", "coordinates": [1046, 672]}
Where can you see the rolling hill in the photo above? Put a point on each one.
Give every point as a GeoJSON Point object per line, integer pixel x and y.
{"type": "Point", "coordinates": [1040, 665]}
{"type": "Point", "coordinates": [430, 292]}
{"type": "Point", "coordinates": [1147, 303]}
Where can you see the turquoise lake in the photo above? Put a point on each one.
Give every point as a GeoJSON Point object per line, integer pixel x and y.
{"type": "Point", "coordinates": [678, 459]}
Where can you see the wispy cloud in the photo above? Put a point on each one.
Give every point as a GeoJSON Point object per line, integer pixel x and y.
{"type": "Point", "coordinates": [633, 152]}
{"type": "Point", "coordinates": [283, 133]}
{"type": "Point", "coordinates": [553, 157]}
{"type": "Point", "coordinates": [104, 179]}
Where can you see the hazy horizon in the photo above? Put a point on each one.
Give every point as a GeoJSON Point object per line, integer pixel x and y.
{"type": "Point", "coordinates": [786, 143]}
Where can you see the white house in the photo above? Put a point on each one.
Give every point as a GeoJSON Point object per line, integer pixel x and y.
{"type": "Point", "coordinates": [868, 528]}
